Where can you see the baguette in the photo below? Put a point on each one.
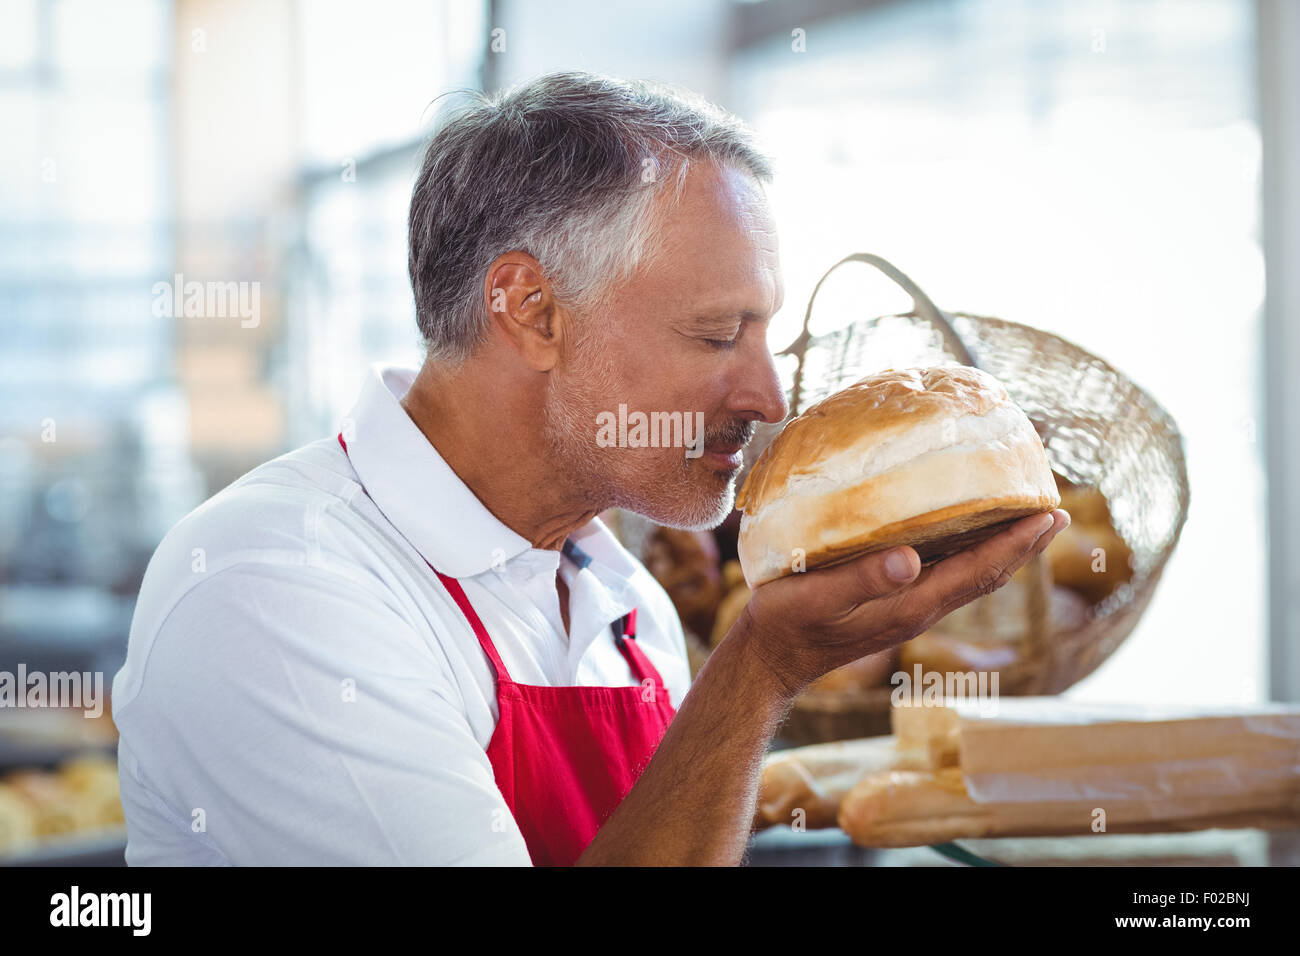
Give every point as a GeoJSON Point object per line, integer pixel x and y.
{"type": "Point", "coordinates": [897, 808]}
{"type": "Point", "coordinates": [814, 779]}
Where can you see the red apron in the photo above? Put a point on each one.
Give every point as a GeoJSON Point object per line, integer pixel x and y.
{"type": "Point", "coordinates": [565, 757]}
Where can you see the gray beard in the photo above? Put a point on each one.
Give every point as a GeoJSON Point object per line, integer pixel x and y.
{"type": "Point", "coordinates": [569, 425]}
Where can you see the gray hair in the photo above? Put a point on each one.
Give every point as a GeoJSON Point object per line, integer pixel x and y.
{"type": "Point", "coordinates": [566, 168]}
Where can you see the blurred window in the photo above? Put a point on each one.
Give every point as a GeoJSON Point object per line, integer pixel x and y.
{"type": "Point", "coordinates": [83, 204]}
{"type": "Point", "coordinates": [367, 117]}
{"type": "Point", "coordinates": [85, 231]}
{"type": "Point", "coordinates": [1091, 169]}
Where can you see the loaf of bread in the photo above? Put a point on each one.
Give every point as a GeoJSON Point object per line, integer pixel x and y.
{"type": "Point", "coordinates": [936, 458]}
{"type": "Point", "coordinates": [1088, 557]}
{"type": "Point", "coordinates": [17, 821]}
{"type": "Point", "coordinates": [862, 674]}
{"type": "Point", "coordinates": [686, 564]}
{"type": "Point", "coordinates": [989, 633]}
{"type": "Point", "coordinates": [1047, 766]}
{"type": "Point", "coordinates": [737, 596]}
{"type": "Point", "coordinates": [57, 808]}
{"type": "Point", "coordinates": [804, 785]}
{"type": "Point", "coordinates": [93, 779]}
{"type": "Point", "coordinates": [896, 808]}
{"type": "Point", "coordinates": [81, 794]}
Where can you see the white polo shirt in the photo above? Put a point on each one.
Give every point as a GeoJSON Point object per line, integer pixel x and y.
{"type": "Point", "coordinates": [299, 688]}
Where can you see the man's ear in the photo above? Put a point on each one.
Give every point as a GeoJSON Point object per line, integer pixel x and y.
{"type": "Point", "coordinates": [524, 309]}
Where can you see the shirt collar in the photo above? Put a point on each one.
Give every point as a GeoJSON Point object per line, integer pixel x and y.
{"type": "Point", "coordinates": [429, 505]}
{"type": "Point", "coordinates": [416, 489]}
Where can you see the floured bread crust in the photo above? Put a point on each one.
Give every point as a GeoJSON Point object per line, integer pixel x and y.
{"type": "Point", "coordinates": [936, 458]}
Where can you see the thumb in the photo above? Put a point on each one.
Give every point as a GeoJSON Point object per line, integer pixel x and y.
{"type": "Point", "coordinates": [874, 575]}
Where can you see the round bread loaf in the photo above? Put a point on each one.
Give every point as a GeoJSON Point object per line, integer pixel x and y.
{"type": "Point", "coordinates": [937, 458]}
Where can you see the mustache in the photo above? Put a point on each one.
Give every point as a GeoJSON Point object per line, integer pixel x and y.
{"type": "Point", "coordinates": [735, 432]}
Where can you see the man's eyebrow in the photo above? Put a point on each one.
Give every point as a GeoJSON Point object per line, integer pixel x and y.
{"type": "Point", "coordinates": [728, 315]}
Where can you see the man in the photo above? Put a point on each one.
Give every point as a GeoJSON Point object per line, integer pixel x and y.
{"type": "Point", "coordinates": [415, 642]}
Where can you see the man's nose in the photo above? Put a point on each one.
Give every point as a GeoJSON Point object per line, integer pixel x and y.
{"type": "Point", "coordinates": [760, 393]}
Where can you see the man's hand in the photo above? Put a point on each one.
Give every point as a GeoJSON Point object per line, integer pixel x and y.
{"type": "Point", "coordinates": [805, 625]}
{"type": "Point", "coordinates": [694, 805]}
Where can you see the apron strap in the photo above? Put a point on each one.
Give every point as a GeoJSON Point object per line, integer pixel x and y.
{"type": "Point", "coordinates": [462, 601]}
{"type": "Point", "coordinates": [624, 628]}
{"type": "Point", "coordinates": [625, 640]}
{"type": "Point", "coordinates": [637, 660]}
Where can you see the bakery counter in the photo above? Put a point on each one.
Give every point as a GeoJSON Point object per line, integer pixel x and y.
{"type": "Point", "coordinates": [781, 846]}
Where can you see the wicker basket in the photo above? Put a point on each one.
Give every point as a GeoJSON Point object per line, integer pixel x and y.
{"type": "Point", "coordinates": [1099, 429]}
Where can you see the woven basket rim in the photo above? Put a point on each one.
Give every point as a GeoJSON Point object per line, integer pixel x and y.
{"type": "Point", "coordinates": [1108, 621]}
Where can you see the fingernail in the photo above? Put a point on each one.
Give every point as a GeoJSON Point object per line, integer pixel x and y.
{"type": "Point", "coordinates": [897, 566]}
{"type": "Point", "coordinates": [1044, 523]}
